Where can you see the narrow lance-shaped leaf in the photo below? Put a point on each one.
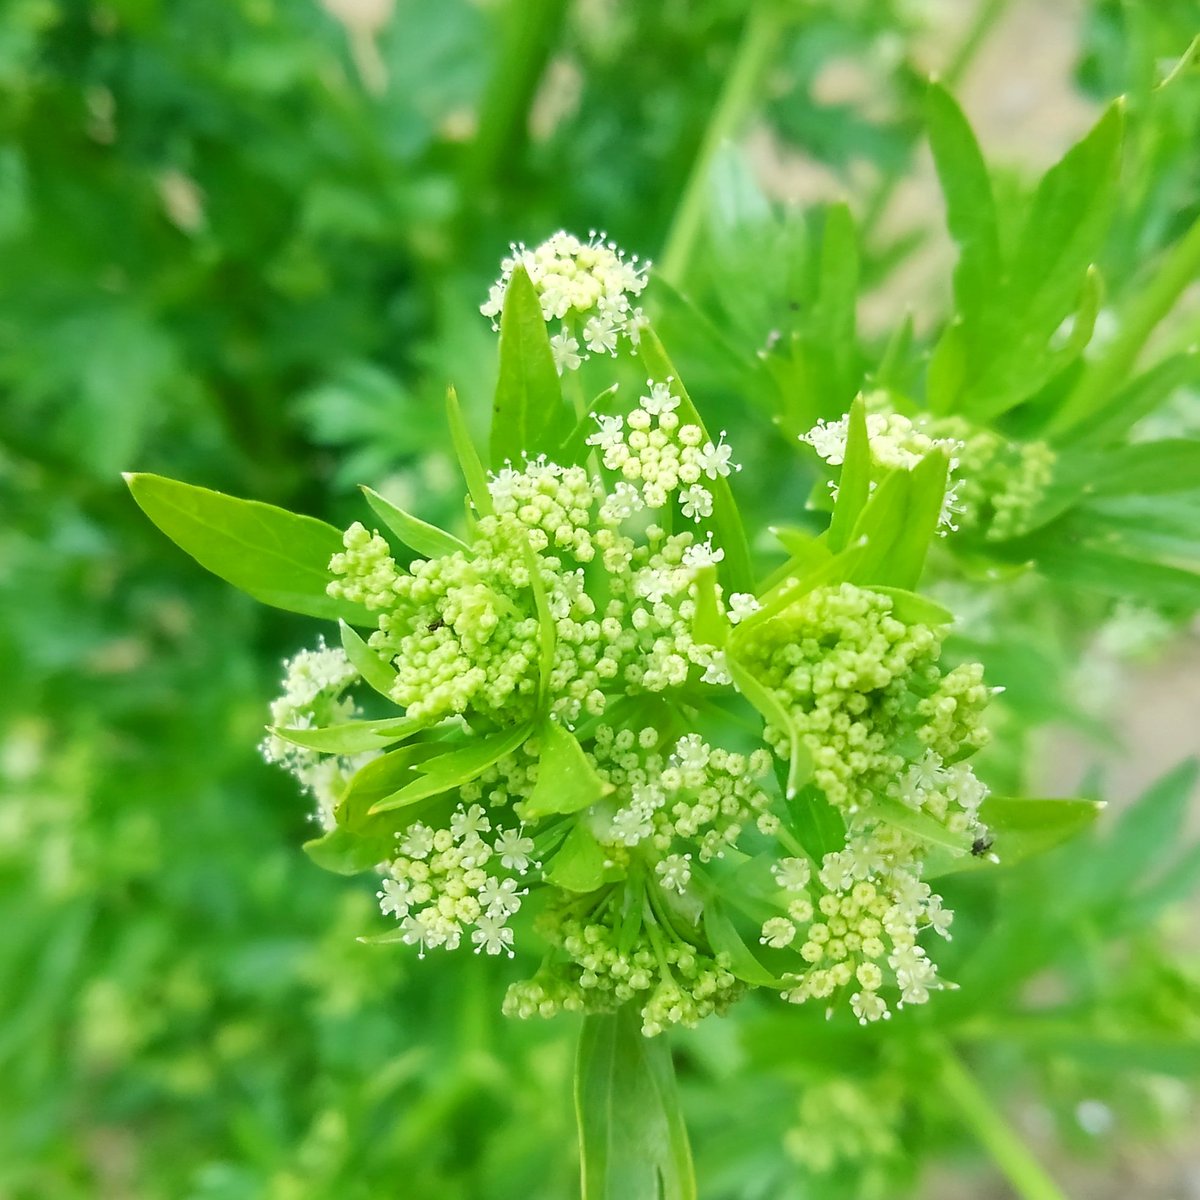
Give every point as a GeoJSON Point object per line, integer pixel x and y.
{"type": "Point", "coordinates": [528, 415]}
{"type": "Point", "coordinates": [427, 540]}
{"type": "Point", "coordinates": [854, 482]}
{"type": "Point", "coordinates": [375, 672]}
{"type": "Point", "coordinates": [278, 557]}
{"type": "Point", "coordinates": [454, 768]}
{"type": "Point", "coordinates": [632, 1137]}
{"type": "Point", "coordinates": [468, 456]}
{"type": "Point", "coordinates": [970, 204]}
{"type": "Point", "coordinates": [351, 737]}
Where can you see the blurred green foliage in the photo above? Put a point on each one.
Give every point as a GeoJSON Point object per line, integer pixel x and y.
{"type": "Point", "coordinates": [232, 251]}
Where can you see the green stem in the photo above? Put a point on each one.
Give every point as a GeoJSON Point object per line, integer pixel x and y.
{"type": "Point", "coordinates": [633, 1143]}
{"type": "Point", "coordinates": [956, 68]}
{"type": "Point", "coordinates": [1023, 1171]}
{"type": "Point", "coordinates": [759, 37]}
{"type": "Point", "coordinates": [1177, 271]}
{"type": "Point", "coordinates": [530, 31]}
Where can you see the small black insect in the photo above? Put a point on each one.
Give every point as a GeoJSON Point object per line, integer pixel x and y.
{"type": "Point", "coordinates": [434, 626]}
{"type": "Point", "coordinates": [980, 846]}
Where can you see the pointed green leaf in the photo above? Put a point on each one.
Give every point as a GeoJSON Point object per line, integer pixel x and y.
{"type": "Point", "coordinates": [818, 826]}
{"type": "Point", "coordinates": [800, 763]}
{"type": "Point", "coordinates": [278, 557]}
{"type": "Point", "coordinates": [351, 737]}
{"type": "Point", "coordinates": [468, 456]}
{"type": "Point", "coordinates": [913, 609]}
{"type": "Point", "coordinates": [427, 540]}
{"type": "Point", "coordinates": [566, 779]}
{"type": "Point", "coordinates": [375, 672]}
{"type": "Point", "coordinates": [970, 204]}
{"type": "Point", "coordinates": [724, 938]}
{"type": "Point", "coordinates": [454, 768]}
{"type": "Point", "coordinates": [854, 482]}
{"type": "Point", "coordinates": [528, 415]}
{"type": "Point", "coordinates": [379, 778]}
{"type": "Point", "coordinates": [581, 864]}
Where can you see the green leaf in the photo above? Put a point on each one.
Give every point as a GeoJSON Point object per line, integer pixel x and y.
{"type": "Point", "coordinates": [724, 938]}
{"type": "Point", "coordinates": [574, 448]}
{"type": "Point", "coordinates": [854, 482]}
{"type": "Point", "coordinates": [819, 826]}
{"type": "Point", "coordinates": [1019, 829]}
{"type": "Point", "coordinates": [1111, 418]}
{"type": "Point", "coordinates": [1146, 834]}
{"type": "Point", "coordinates": [632, 1136]}
{"type": "Point", "coordinates": [382, 777]}
{"type": "Point", "coordinates": [375, 672]}
{"type": "Point", "coordinates": [913, 609]}
{"type": "Point", "coordinates": [528, 415]}
{"type": "Point", "coordinates": [454, 768]}
{"type": "Point", "coordinates": [919, 824]}
{"type": "Point", "coordinates": [970, 204]}
{"type": "Point", "coordinates": [346, 853]}
{"type": "Point", "coordinates": [947, 374]}
{"type": "Point", "coordinates": [351, 737]}
{"type": "Point", "coordinates": [904, 560]}
{"type": "Point", "coordinates": [737, 566]}
{"type": "Point", "coordinates": [427, 540]}
{"type": "Point", "coordinates": [278, 557]}
{"type": "Point", "coordinates": [468, 456]}
{"type": "Point", "coordinates": [581, 863]}
{"type": "Point", "coordinates": [566, 780]}
{"type": "Point", "coordinates": [1147, 468]}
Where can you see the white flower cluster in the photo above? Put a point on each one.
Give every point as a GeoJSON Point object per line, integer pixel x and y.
{"type": "Point", "coordinates": [862, 931]}
{"type": "Point", "coordinates": [448, 879]}
{"type": "Point", "coordinates": [313, 697]}
{"type": "Point", "coordinates": [588, 288]}
{"type": "Point", "coordinates": [896, 444]}
{"type": "Point", "coordinates": [660, 459]}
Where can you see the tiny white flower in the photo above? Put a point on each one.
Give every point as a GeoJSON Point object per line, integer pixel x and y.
{"type": "Point", "coordinates": [675, 872]}
{"type": "Point", "coordinates": [777, 932]}
{"type": "Point", "coordinates": [610, 435]}
{"type": "Point", "coordinates": [691, 752]}
{"type": "Point", "coordinates": [660, 400]}
{"type": "Point", "coordinates": [714, 460]}
{"type": "Point", "coordinates": [697, 502]}
{"type": "Point", "coordinates": [417, 841]}
{"type": "Point", "coordinates": [473, 820]}
{"type": "Point", "coordinates": [792, 874]}
{"type": "Point", "coordinates": [702, 555]}
{"type": "Point", "coordinates": [394, 898]}
{"type": "Point", "coordinates": [828, 439]}
{"type": "Point", "coordinates": [565, 349]}
{"type": "Point", "coordinates": [493, 936]}
{"type": "Point", "coordinates": [514, 849]}
{"type": "Point", "coordinates": [741, 605]}
{"type": "Point", "coordinates": [500, 897]}
{"type": "Point", "coordinates": [600, 334]}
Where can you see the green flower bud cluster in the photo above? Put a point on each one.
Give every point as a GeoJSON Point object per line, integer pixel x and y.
{"type": "Point", "coordinates": [313, 697]}
{"type": "Point", "coordinates": [1000, 482]}
{"type": "Point", "coordinates": [697, 793]}
{"type": "Point", "coordinates": [602, 967]}
{"type": "Point", "coordinates": [845, 1123]}
{"type": "Point", "coordinates": [861, 687]}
